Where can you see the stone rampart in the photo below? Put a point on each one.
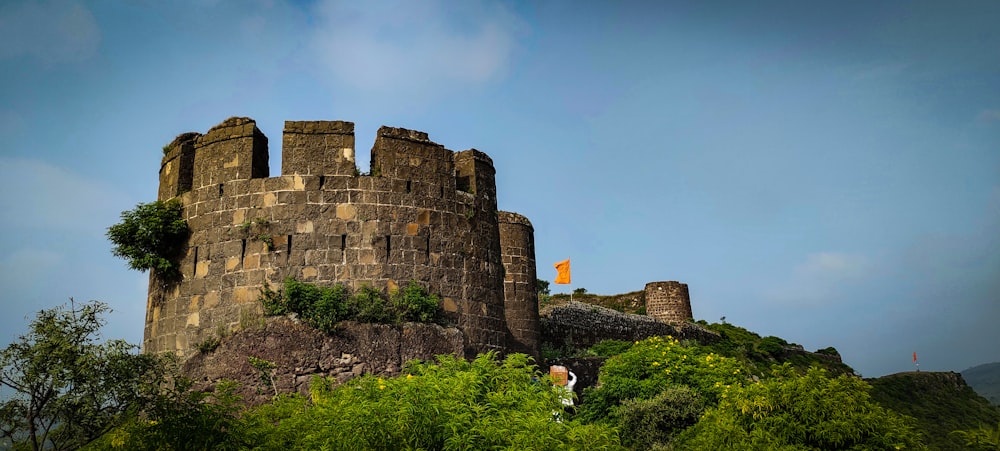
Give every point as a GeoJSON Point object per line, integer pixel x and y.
{"type": "Point", "coordinates": [578, 325]}
{"type": "Point", "coordinates": [422, 213]}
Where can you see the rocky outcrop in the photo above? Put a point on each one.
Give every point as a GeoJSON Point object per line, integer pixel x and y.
{"type": "Point", "coordinates": [300, 352]}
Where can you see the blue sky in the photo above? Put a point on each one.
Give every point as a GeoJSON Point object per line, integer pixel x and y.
{"type": "Point", "coordinates": [827, 172]}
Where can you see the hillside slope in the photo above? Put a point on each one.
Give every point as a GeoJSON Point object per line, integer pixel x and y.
{"type": "Point", "coordinates": [940, 402]}
{"type": "Point", "coordinates": [985, 380]}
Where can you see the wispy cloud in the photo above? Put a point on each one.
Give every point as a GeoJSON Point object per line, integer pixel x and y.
{"type": "Point", "coordinates": [820, 278]}
{"type": "Point", "coordinates": [42, 196]}
{"type": "Point", "coordinates": [832, 265]}
{"type": "Point", "coordinates": [49, 31]}
{"type": "Point", "coordinates": [393, 47]}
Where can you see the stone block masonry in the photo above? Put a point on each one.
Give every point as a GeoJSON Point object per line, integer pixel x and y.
{"type": "Point", "coordinates": [422, 212]}
{"type": "Point", "coordinates": [668, 302]}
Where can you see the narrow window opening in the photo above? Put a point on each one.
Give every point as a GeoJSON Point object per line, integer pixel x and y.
{"type": "Point", "coordinates": [408, 185]}
{"type": "Point", "coordinates": [288, 254]}
{"type": "Point", "coordinates": [463, 183]}
{"type": "Point", "coordinates": [243, 251]}
{"type": "Point", "coordinates": [220, 190]}
{"type": "Point", "coordinates": [388, 247]}
{"type": "Point", "coordinates": [442, 191]}
{"type": "Point", "coordinates": [322, 180]}
{"type": "Point", "coordinates": [343, 249]}
{"type": "Point", "coordinates": [427, 252]}
{"type": "Point", "coordinates": [194, 269]}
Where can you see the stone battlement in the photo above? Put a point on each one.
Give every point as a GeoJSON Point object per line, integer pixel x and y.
{"type": "Point", "coordinates": [422, 213]}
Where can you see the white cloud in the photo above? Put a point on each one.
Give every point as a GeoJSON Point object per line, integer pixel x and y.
{"type": "Point", "coordinates": [832, 265]}
{"type": "Point", "coordinates": [393, 47]}
{"type": "Point", "coordinates": [52, 31]}
{"type": "Point", "coordinates": [40, 195]}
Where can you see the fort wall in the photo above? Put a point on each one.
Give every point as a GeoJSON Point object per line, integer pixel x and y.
{"type": "Point", "coordinates": [423, 213]}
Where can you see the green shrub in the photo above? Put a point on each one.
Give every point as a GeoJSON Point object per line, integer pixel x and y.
{"type": "Point", "coordinates": [414, 304]}
{"type": "Point", "coordinates": [791, 411]}
{"type": "Point", "coordinates": [368, 306]}
{"type": "Point", "coordinates": [323, 307]}
{"type": "Point", "coordinates": [151, 236]}
{"type": "Point", "coordinates": [772, 346]}
{"type": "Point", "coordinates": [654, 364]}
{"type": "Point", "coordinates": [610, 348]}
{"type": "Point", "coordinates": [650, 422]}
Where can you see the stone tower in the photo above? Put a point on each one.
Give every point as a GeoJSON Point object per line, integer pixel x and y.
{"type": "Point", "coordinates": [668, 302]}
{"type": "Point", "coordinates": [423, 213]}
{"type": "Point", "coordinates": [517, 241]}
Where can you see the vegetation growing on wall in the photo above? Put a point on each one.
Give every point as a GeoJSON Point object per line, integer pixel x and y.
{"type": "Point", "coordinates": [150, 236]}
{"type": "Point", "coordinates": [324, 307]}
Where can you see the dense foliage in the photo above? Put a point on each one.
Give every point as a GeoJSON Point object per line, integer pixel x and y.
{"type": "Point", "coordinates": [760, 353]}
{"type": "Point", "coordinates": [654, 364]}
{"type": "Point", "coordinates": [939, 403]}
{"type": "Point", "coordinates": [72, 392]}
{"type": "Point", "coordinates": [450, 405]}
{"type": "Point", "coordinates": [661, 393]}
{"type": "Point", "coordinates": [65, 388]}
{"type": "Point", "coordinates": [150, 236]}
{"type": "Point", "coordinates": [793, 411]}
{"type": "Point", "coordinates": [324, 307]}
{"type": "Point", "coordinates": [453, 404]}
{"type": "Point", "coordinates": [982, 438]}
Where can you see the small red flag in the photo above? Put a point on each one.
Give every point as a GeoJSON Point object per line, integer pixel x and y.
{"type": "Point", "coordinates": [914, 356]}
{"type": "Point", "coordinates": [562, 277]}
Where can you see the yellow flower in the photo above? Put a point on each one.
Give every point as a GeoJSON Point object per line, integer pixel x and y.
{"type": "Point", "coordinates": [410, 376]}
{"type": "Point", "coordinates": [381, 386]}
{"type": "Point", "coordinates": [656, 363]}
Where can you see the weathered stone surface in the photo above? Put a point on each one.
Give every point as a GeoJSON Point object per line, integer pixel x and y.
{"type": "Point", "coordinates": [668, 302]}
{"type": "Point", "coordinates": [579, 325]}
{"type": "Point", "coordinates": [301, 352]}
{"type": "Point", "coordinates": [423, 213]}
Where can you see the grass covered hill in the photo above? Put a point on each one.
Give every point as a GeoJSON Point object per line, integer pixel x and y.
{"type": "Point", "coordinates": [941, 402]}
{"type": "Point", "coordinates": [985, 380]}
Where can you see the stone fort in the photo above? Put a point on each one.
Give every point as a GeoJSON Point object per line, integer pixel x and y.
{"type": "Point", "coordinates": [422, 213]}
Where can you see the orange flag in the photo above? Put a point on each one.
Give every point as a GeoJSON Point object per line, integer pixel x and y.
{"type": "Point", "coordinates": [563, 268]}
{"type": "Point", "coordinates": [914, 357]}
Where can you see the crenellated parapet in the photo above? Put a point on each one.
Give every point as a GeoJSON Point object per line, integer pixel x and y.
{"type": "Point", "coordinates": [422, 212]}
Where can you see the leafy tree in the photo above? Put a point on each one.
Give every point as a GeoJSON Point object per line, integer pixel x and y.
{"type": "Point", "coordinates": [68, 389]}
{"type": "Point", "coordinates": [181, 419]}
{"type": "Point", "coordinates": [151, 236]}
{"type": "Point", "coordinates": [795, 412]}
{"type": "Point", "coordinates": [542, 286]}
